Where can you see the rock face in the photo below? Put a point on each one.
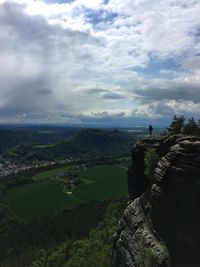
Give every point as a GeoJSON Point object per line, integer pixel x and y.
{"type": "Point", "coordinates": [160, 226]}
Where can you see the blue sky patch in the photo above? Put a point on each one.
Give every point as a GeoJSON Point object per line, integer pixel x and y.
{"type": "Point", "coordinates": [156, 67]}
{"type": "Point", "coordinates": [97, 16]}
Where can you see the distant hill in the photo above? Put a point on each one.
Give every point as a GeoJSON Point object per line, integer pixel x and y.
{"type": "Point", "coordinates": [84, 144]}
{"type": "Point", "coordinates": [16, 136]}
{"type": "Point", "coordinates": [93, 142]}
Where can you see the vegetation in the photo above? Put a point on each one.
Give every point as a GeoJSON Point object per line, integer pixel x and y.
{"type": "Point", "coordinates": [39, 198]}
{"type": "Point", "coordinates": [61, 215]}
{"type": "Point", "coordinates": [49, 173]}
{"type": "Point", "coordinates": [8, 220]}
{"type": "Point", "coordinates": [150, 161]}
{"type": "Point", "coordinates": [83, 144]}
{"type": "Point", "coordinates": [192, 127]}
{"type": "Point", "coordinates": [179, 125]}
{"type": "Point", "coordinates": [94, 250]}
{"type": "Point", "coordinates": [25, 242]}
{"type": "Point", "coordinates": [106, 182]}
{"type": "Point", "coordinates": [145, 256]}
{"type": "Point", "coordinates": [176, 125]}
{"type": "Point", "coordinates": [15, 136]}
{"type": "Point", "coordinates": [92, 143]}
{"type": "Point", "coordinates": [47, 222]}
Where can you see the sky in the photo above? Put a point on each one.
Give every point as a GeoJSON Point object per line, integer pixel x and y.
{"type": "Point", "coordinates": [99, 62]}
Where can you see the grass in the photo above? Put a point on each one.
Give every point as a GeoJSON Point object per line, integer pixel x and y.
{"type": "Point", "coordinates": [44, 196]}
{"type": "Point", "coordinates": [107, 182]}
{"type": "Point", "coordinates": [36, 199]}
{"type": "Point", "coordinates": [49, 174]}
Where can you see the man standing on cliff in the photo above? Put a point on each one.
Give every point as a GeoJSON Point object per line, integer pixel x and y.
{"type": "Point", "coordinates": [150, 130]}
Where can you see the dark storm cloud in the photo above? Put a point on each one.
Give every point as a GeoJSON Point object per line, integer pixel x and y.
{"type": "Point", "coordinates": [112, 95]}
{"type": "Point", "coordinates": [171, 90]}
{"type": "Point", "coordinates": [43, 91]}
{"type": "Point", "coordinates": [25, 98]}
{"type": "Point", "coordinates": [103, 93]}
{"type": "Point", "coordinates": [34, 35]}
{"type": "Point", "coordinates": [33, 55]}
{"type": "Point", "coordinates": [96, 90]}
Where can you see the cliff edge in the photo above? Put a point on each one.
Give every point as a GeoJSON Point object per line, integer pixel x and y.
{"type": "Point", "coordinates": [160, 226]}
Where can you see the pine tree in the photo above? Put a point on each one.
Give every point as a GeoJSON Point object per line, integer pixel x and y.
{"type": "Point", "coordinates": [177, 125]}
{"type": "Point", "coordinates": [191, 127]}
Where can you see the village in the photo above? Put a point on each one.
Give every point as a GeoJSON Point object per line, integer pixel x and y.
{"type": "Point", "coordinates": [7, 167]}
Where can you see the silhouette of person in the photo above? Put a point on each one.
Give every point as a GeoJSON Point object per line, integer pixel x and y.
{"type": "Point", "coordinates": [150, 130]}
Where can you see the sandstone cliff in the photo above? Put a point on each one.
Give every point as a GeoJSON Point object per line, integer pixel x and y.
{"type": "Point", "coordinates": [160, 226]}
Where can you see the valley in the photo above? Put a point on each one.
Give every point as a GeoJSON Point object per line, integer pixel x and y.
{"type": "Point", "coordinates": [59, 187]}
{"type": "Point", "coordinates": [48, 192]}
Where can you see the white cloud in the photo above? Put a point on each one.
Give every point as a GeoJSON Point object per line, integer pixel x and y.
{"type": "Point", "coordinates": [88, 3]}
{"type": "Point", "coordinates": [72, 47]}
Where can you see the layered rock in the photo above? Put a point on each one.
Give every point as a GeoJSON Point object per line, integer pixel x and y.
{"type": "Point", "coordinates": [160, 226]}
{"type": "Point", "coordinates": [137, 186]}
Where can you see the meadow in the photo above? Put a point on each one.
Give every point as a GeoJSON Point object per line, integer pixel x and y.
{"type": "Point", "coordinates": [107, 182]}
{"type": "Point", "coordinates": [44, 196]}
{"type": "Point", "coordinates": [49, 173]}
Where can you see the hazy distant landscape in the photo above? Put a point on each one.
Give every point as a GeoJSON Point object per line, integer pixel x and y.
{"type": "Point", "coordinates": [48, 172]}
{"type": "Point", "coordinates": [46, 168]}
{"type": "Point", "coordinates": [71, 181]}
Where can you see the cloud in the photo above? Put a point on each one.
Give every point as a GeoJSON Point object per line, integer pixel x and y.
{"type": "Point", "coordinates": [113, 95]}
{"type": "Point", "coordinates": [167, 109]}
{"type": "Point", "coordinates": [170, 90]}
{"type": "Point", "coordinates": [38, 56]}
{"type": "Point", "coordinates": [109, 94]}
{"type": "Point", "coordinates": [63, 60]}
{"type": "Point", "coordinates": [96, 90]}
{"type": "Point", "coordinates": [99, 17]}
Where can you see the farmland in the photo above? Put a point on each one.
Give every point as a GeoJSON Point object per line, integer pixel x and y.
{"type": "Point", "coordinates": [107, 182]}
{"type": "Point", "coordinates": [44, 196]}
{"type": "Point", "coordinates": [36, 199]}
{"type": "Point", "coordinates": [49, 173]}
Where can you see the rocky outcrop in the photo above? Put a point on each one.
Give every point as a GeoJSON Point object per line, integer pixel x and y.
{"type": "Point", "coordinates": [137, 186]}
{"type": "Point", "coordinates": [160, 226]}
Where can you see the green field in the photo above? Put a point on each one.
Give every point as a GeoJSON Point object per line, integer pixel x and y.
{"type": "Point", "coordinates": [42, 197]}
{"type": "Point", "coordinates": [107, 182]}
{"type": "Point", "coordinates": [49, 174]}
{"type": "Point", "coordinates": [36, 199]}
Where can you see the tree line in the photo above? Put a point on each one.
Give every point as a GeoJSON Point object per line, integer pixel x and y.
{"type": "Point", "coordinates": [179, 125]}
